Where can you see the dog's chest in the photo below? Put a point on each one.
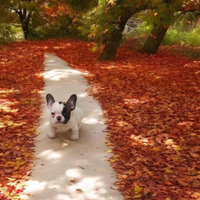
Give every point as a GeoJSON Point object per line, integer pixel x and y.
{"type": "Point", "coordinates": [64, 127]}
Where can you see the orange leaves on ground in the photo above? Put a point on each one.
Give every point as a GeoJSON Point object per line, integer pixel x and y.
{"type": "Point", "coordinates": [152, 108]}
{"type": "Point", "coordinates": [151, 104]}
{"type": "Point", "coordinates": [20, 86]}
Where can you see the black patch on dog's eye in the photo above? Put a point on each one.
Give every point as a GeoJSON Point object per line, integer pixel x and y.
{"type": "Point", "coordinates": [60, 102]}
{"type": "Point", "coordinates": [66, 114]}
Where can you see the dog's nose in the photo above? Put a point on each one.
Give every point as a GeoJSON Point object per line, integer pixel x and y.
{"type": "Point", "coordinates": [59, 118]}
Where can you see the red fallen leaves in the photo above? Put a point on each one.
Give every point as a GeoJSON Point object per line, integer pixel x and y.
{"type": "Point", "coordinates": [152, 108]}
{"type": "Point", "coordinates": [20, 102]}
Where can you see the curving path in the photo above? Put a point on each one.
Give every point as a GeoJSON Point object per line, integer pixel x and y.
{"type": "Point", "coordinates": [67, 170]}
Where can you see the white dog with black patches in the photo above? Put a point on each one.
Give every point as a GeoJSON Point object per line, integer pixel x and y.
{"type": "Point", "coordinates": [64, 116]}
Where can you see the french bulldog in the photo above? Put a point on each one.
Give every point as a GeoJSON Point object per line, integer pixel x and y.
{"type": "Point", "coordinates": [64, 116]}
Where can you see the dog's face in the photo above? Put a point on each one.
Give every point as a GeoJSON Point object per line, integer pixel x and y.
{"type": "Point", "coordinates": [61, 111]}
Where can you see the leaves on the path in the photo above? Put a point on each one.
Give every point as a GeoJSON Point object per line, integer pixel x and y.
{"type": "Point", "coordinates": [151, 103]}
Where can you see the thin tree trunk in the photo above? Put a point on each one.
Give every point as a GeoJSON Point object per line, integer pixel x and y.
{"type": "Point", "coordinates": [25, 24]}
{"type": "Point", "coordinates": [25, 17]}
{"type": "Point", "coordinates": [154, 40]}
{"type": "Point", "coordinates": [25, 30]}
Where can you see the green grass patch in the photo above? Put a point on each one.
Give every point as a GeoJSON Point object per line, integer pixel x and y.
{"type": "Point", "coordinates": [175, 36]}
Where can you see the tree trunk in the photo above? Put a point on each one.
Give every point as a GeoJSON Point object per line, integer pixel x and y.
{"type": "Point", "coordinates": [110, 48]}
{"type": "Point", "coordinates": [25, 17]}
{"type": "Point", "coordinates": [25, 29]}
{"type": "Point", "coordinates": [154, 40]}
{"type": "Point", "coordinates": [113, 41]}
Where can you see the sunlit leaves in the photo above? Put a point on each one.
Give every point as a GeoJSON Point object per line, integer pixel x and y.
{"type": "Point", "coordinates": [20, 101]}
{"type": "Point", "coordinates": [152, 113]}
{"type": "Point", "coordinates": [151, 104]}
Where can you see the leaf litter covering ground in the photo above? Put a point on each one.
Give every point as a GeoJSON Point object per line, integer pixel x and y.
{"type": "Point", "coordinates": [152, 106]}
{"type": "Point", "coordinates": [20, 101]}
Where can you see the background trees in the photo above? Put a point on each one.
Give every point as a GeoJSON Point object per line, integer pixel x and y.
{"type": "Point", "coordinates": [162, 14]}
{"type": "Point", "coordinates": [165, 14]}
{"type": "Point", "coordinates": [101, 20]}
{"type": "Point", "coordinates": [20, 11]}
{"type": "Point", "coordinates": [118, 13]}
{"type": "Point", "coordinates": [37, 15]}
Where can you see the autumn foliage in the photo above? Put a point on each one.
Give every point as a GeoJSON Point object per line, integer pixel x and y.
{"type": "Point", "coordinates": [152, 107]}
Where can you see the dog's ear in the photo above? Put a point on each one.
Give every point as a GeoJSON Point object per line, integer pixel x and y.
{"type": "Point", "coordinates": [50, 100]}
{"type": "Point", "coordinates": [71, 102]}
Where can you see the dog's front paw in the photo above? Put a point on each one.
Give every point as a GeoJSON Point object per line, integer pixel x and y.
{"type": "Point", "coordinates": [75, 133]}
{"type": "Point", "coordinates": [51, 136]}
{"type": "Point", "coordinates": [74, 138]}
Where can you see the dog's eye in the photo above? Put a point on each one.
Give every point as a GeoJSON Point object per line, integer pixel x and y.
{"type": "Point", "coordinates": [52, 113]}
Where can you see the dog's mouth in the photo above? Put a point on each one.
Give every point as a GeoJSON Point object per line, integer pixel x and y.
{"type": "Point", "coordinates": [58, 122]}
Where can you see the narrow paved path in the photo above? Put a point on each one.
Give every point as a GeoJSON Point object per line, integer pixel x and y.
{"type": "Point", "coordinates": [67, 170]}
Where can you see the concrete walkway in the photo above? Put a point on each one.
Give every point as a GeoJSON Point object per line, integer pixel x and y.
{"type": "Point", "coordinates": [71, 170]}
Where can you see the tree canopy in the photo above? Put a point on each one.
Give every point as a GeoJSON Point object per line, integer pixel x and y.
{"type": "Point", "coordinates": [101, 20]}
